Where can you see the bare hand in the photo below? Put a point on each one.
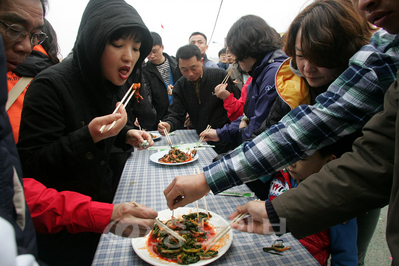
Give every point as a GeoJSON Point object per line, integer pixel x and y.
{"type": "Point", "coordinates": [136, 122]}
{"type": "Point", "coordinates": [96, 124]}
{"type": "Point", "coordinates": [163, 125]}
{"type": "Point", "coordinates": [243, 123]}
{"type": "Point", "coordinates": [132, 220]}
{"type": "Point", "coordinates": [186, 189]}
{"type": "Point", "coordinates": [136, 137]}
{"type": "Point", "coordinates": [170, 89]}
{"type": "Point", "coordinates": [187, 121]}
{"type": "Point", "coordinates": [221, 91]}
{"type": "Point", "coordinates": [257, 222]}
{"type": "Point", "coordinates": [211, 135]}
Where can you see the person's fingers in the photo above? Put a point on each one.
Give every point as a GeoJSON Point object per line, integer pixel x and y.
{"type": "Point", "coordinates": [172, 196]}
{"type": "Point", "coordinates": [233, 215]}
{"type": "Point", "coordinates": [169, 188]}
{"type": "Point", "coordinates": [144, 212]}
{"type": "Point", "coordinates": [241, 226]}
{"type": "Point", "coordinates": [130, 226]}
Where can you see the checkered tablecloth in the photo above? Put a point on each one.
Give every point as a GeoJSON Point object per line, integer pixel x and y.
{"type": "Point", "coordinates": [143, 181]}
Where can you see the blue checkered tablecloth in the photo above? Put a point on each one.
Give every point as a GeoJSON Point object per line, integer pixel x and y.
{"type": "Point", "coordinates": [144, 181]}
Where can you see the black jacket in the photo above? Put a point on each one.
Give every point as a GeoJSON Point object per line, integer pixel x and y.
{"type": "Point", "coordinates": [55, 145]}
{"type": "Point", "coordinates": [156, 88]}
{"type": "Point", "coordinates": [11, 175]}
{"type": "Point", "coordinates": [204, 109]}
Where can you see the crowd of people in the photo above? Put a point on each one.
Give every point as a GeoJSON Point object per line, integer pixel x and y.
{"type": "Point", "coordinates": [307, 121]}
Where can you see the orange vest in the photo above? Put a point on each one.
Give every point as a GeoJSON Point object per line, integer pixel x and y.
{"type": "Point", "coordinates": [15, 110]}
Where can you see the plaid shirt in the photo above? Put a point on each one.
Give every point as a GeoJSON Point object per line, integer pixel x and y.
{"type": "Point", "coordinates": [354, 97]}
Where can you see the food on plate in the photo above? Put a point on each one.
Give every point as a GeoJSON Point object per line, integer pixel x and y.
{"type": "Point", "coordinates": [195, 231]}
{"type": "Point", "coordinates": [153, 136]}
{"type": "Point", "coordinates": [176, 156]}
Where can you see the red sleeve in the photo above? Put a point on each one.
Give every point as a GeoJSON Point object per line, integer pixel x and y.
{"type": "Point", "coordinates": [53, 211]}
{"type": "Point", "coordinates": [235, 107]}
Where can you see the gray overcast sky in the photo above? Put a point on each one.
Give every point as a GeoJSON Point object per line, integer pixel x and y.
{"type": "Point", "coordinates": [180, 18]}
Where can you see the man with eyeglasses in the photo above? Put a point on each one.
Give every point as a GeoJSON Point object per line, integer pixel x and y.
{"type": "Point", "coordinates": [161, 73]}
{"type": "Point", "coordinates": [21, 25]}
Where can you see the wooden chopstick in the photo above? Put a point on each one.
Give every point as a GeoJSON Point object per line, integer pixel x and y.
{"type": "Point", "coordinates": [206, 207]}
{"type": "Point", "coordinates": [202, 138]}
{"type": "Point", "coordinates": [198, 171]}
{"type": "Point", "coordinates": [167, 229]}
{"type": "Point", "coordinates": [167, 135]}
{"type": "Point", "coordinates": [227, 76]}
{"type": "Point", "coordinates": [129, 94]}
{"type": "Point", "coordinates": [224, 231]}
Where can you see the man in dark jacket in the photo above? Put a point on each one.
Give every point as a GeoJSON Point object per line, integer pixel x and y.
{"type": "Point", "coordinates": [28, 15]}
{"type": "Point", "coordinates": [160, 74]}
{"type": "Point", "coordinates": [193, 94]}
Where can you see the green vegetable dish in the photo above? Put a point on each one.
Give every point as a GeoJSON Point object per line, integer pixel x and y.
{"type": "Point", "coordinates": [195, 231]}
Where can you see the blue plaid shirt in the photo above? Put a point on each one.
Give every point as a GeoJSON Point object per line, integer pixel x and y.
{"type": "Point", "coordinates": [354, 97]}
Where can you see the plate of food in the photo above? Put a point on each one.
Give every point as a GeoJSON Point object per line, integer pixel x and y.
{"type": "Point", "coordinates": [155, 136]}
{"type": "Point", "coordinates": [174, 157]}
{"type": "Point", "coordinates": [160, 248]}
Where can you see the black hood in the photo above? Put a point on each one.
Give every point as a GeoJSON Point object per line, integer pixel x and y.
{"type": "Point", "coordinates": [100, 19]}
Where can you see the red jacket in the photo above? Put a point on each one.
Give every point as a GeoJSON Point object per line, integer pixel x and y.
{"type": "Point", "coordinates": [53, 211]}
{"type": "Point", "coordinates": [235, 107]}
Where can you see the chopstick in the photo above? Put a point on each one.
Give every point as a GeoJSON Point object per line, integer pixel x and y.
{"type": "Point", "coordinates": [227, 77]}
{"type": "Point", "coordinates": [167, 136]}
{"type": "Point", "coordinates": [202, 138]}
{"type": "Point", "coordinates": [128, 94]}
{"type": "Point", "coordinates": [224, 231]}
{"type": "Point", "coordinates": [206, 205]}
{"type": "Point", "coordinates": [168, 230]}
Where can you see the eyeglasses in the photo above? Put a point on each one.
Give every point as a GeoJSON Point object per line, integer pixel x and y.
{"type": "Point", "coordinates": [154, 52]}
{"type": "Point", "coordinates": [17, 33]}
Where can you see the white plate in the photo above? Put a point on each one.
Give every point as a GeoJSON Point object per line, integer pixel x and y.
{"type": "Point", "coordinates": [158, 136]}
{"type": "Point", "coordinates": [156, 156]}
{"type": "Point", "coordinates": [140, 244]}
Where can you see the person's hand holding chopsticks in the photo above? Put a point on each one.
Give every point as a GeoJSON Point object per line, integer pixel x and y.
{"type": "Point", "coordinates": [132, 219]}
{"type": "Point", "coordinates": [186, 189]}
{"type": "Point", "coordinates": [120, 118]}
{"type": "Point", "coordinates": [257, 222]}
{"type": "Point", "coordinates": [162, 126]}
{"type": "Point", "coordinates": [135, 137]}
{"type": "Point", "coordinates": [221, 91]}
{"type": "Point", "coordinates": [210, 135]}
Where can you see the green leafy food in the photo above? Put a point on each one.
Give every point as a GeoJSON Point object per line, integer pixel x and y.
{"type": "Point", "coordinates": [195, 231]}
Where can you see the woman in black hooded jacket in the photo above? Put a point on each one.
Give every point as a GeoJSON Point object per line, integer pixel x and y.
{"type": "Point", "coordinates": [60, 142]}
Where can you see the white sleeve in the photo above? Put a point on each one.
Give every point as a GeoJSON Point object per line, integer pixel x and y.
{"type": "Point", "coordinates": [8, 248]}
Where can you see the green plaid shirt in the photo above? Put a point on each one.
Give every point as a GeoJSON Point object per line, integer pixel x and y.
{"type": "Point", "coordinates": [354, 97]}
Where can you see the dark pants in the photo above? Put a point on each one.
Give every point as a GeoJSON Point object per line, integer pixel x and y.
{"type": "Point", "coordinates": [366, 225]}
{"type": "Point", "coordinates": [67, 249]}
